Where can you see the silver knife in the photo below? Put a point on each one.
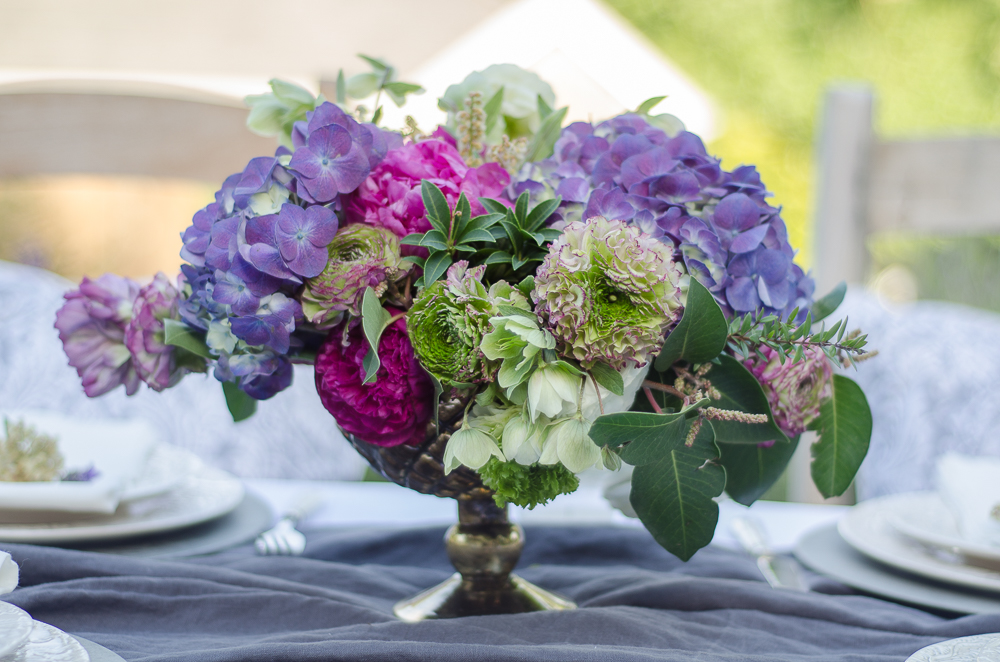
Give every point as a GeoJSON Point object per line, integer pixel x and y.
{"type": "Point", "coordinates": [778, 571]}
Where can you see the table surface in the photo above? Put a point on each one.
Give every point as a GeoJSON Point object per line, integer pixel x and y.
{"type": "Point", "coordinates": [373, 504]}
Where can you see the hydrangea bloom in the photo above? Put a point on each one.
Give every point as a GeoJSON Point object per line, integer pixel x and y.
{"type": "Point", "coordinates": [390, 198]}
{"type": "Point", "coordinates": [393, 410]}
{"type": "Point", "coordinates": [794, 390]}
{"type": "Point", "coordinates": [608, 292]}
{"type": "Point", "coordinates": [360, 256]}
{"type": "Point", "coordinates": [153, 360]}
{"type": "Point", "coordinates": [91, 326]}
{"type": "Point", "coordinates": [723, 229]}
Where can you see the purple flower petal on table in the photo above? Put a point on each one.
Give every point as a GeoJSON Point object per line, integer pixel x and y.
{"type": "Point", "coordinates": [302, 236]}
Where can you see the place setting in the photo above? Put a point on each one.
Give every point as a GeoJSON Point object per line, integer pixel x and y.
{"type": "Point", "coordinates": [938, 549]}
{"type": "Point", "coordinates": [113, 486]}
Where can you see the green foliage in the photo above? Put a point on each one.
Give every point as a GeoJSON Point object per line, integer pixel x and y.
{"type": "Point", "coordinates": [700, 336]}
{"type": "Point", "coordinates": [381, 79]}
{"type": "Point", "coordinates": [374, 320]}
{"type": "Point", "coordinates": [747, 336]}
{"type": "Point", "coordinates": [608, 377]}
{"type": "Point", "coordinates": [673, 496]}
{"type": "Point", "coordinates": [522, 238]}
{"type": "Point", "coordinates": [544, 140]}
{"type": "Point", "coordinates": [752, 469]}
{"type": "Point", "coordinates": [179, 334]}
{"type": "Point", "coordinates": [741, 391]}
{"type": "Point", "coordinates": [527, 486]}
{"type": "Point", "coordinates": [241, 406]}
{"type": "Point", "coordinates": [822, 308]}
{"type": "Point", "coordinates": [844, 426]}
{"type": "Point", "coordinates": [275, 113]}
{"type": "Point", "coordinates": [452, 232]}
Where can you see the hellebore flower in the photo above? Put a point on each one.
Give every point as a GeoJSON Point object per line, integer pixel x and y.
{"type": "Point", "coordinates": [471, 447]}
{"type": "Point", "coordinates": [91, 326]}
{"type": "Point", "coordinates": [794, 390]}
{"type": "Point", "coordinates": [608, 292]}
{"type": "Point", "coordinates": [392, 410]}
{"type": "Point", "coordinates": [154, 360]}
{"type": "Point", "coordinates": [360, 256]}
{"type": "Point", "coordinates": [551, 387]}
{"type": "Point", "coordinates": [517, 341]}
{"type": "Point", "coordinates": [569, 442]}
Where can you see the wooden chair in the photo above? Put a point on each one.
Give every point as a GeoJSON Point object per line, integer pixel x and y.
{"type": "Point", "coordinates": [867, 185]}
{"type": "Point", "coordinates": [142, 129]}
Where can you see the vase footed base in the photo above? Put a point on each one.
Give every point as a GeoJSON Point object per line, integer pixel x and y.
{"type": "Point", "coordinates": [454, 598]}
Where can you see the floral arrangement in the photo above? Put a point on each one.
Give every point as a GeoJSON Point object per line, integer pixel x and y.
{"type": "Point", "coordinates": [595, 294]}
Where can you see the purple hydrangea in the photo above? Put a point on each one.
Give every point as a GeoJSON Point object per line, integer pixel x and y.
{"type": "Point", "coordinates": [719, 222]}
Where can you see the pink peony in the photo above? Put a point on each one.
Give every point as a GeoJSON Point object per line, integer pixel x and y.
{"type": "Point", "coordinates": [154, 360]}
{"type": "Point", "coordinates": [794, 390]}
{"type": "Point", "coordinates": [390, 197]}
{"type": "Point", "coordinates": [91, 326]}
{"type": "Point", "coordinates": [393, 410]}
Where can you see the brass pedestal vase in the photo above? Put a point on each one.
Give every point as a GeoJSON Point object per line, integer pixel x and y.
{"type": "Point", "coordinates": [484, 546]}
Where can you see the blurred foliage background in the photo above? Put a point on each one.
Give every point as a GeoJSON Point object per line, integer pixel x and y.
{"type": "Point", "coordinates": [935, 68]}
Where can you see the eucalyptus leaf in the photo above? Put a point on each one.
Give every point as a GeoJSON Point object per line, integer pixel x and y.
{"type": "Point", "coordinates": [741, 391]}
{"type": "Point", "coordinates": [544, 109]}
{"type": "Point", "coordinates": [544, 140]}
{"type": "Point", "coordinates": [822, 308]}
{"type": "Point", "coordinates": [360, 86]}
{"type": "Point", "coordinates": [341, 88]}
{"type": "Point", "coordinates": [397, 91]}
{"type": "Point", "coordinates": [752, 469]}
{"type": "Point", "coordinates": [377, 115]}
{"type": "Point", "coordinates": [436, 206]}
{"type": "Point", "coordinates": [674, 497]}
{"type": "Point", "coordinates": [844, 426]}
{"type": "Point", "coordinates": [374, 320]}
{"type": "Point", "coordinates": [379, 65]}
{"type": "Point", "coordinates": [701, 334]}
{"type": "Point", "coordinates": [179, 334]}
{"type": "Point", "coordinates": [241, 406]}
{"type": "Point", "coordinates": [608, 377]}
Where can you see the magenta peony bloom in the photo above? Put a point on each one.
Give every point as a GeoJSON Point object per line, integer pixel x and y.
{"type": "Point", "coordinates": [154, 360]}
{"type": "Point", "coordinates": [393, 410]}
{"type": "Point", "coordinates": [390, 197]}
{"type": "Point", "coordinates": [794, 390]}
{"type": "Point", "coordinates": [91, 326]}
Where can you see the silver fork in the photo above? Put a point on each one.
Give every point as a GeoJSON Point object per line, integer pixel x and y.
{"type": "Point", "coordinates": [284, 538]}
{"type": "Point", "coordinates": [779, 571]}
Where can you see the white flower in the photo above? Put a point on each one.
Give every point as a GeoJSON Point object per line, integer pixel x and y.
{"type": "Point", "coordinates": [522, 441]}
{"type": "Point", "coordinates": [569, 442]}
{"type": "Point", "coordinates": [550, 387]}
{"type": "Point", "coordinates": [632, 376]}
{"type": "Point", "coordinates": [470, 447]}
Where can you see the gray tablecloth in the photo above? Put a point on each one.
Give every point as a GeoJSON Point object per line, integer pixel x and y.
{"type": "Point", "coordinates": [637, 603]}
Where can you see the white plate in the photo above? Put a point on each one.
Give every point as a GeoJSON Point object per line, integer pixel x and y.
{"type": "Point", "coordinates": [48, 644]}
{"type": "Point", "coordinates": [204, 495]}
{"type": "Point", "coordinates": [15, 626]}
{"type": "Point", "coordinates": [980, 648]}
{"type": "Point", "coordinates": [165, 469]}
{"type": "Point", "coordinates": [925, 518]}
{"type": "Point", "coordinates": [868, 528]}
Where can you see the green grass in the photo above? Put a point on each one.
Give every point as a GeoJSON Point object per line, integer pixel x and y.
{"type": "Point", "coordinates": [935, 66]}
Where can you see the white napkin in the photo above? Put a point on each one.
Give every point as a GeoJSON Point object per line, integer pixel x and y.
{"type": "Point", "coordinates": [117, 449]}
{"type": "Point", "coordinates": [970, 486]}
{"type": "Point", "coordinates": [9, 573]}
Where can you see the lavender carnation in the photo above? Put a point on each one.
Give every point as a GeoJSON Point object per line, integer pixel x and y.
{"type": "Point", "coordinates": [91, 326]}
{"type": "Point", "coordinates": [154, 360]}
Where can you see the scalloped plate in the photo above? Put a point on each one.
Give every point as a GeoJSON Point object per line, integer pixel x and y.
{"type": "Point", "coordinates": [15, 626]}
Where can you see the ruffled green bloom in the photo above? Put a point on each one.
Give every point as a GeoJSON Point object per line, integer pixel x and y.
{"type": "Point", "coordinates": [569, 442]}
{"type": "Point", "coordinates": [608, 292]}
{"type": "Point", "coordinates": [361, 256]}
{"type": "Point", "coordinates": [526, 486]}
{"type": "Point", "coordinates": [449, 319]}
